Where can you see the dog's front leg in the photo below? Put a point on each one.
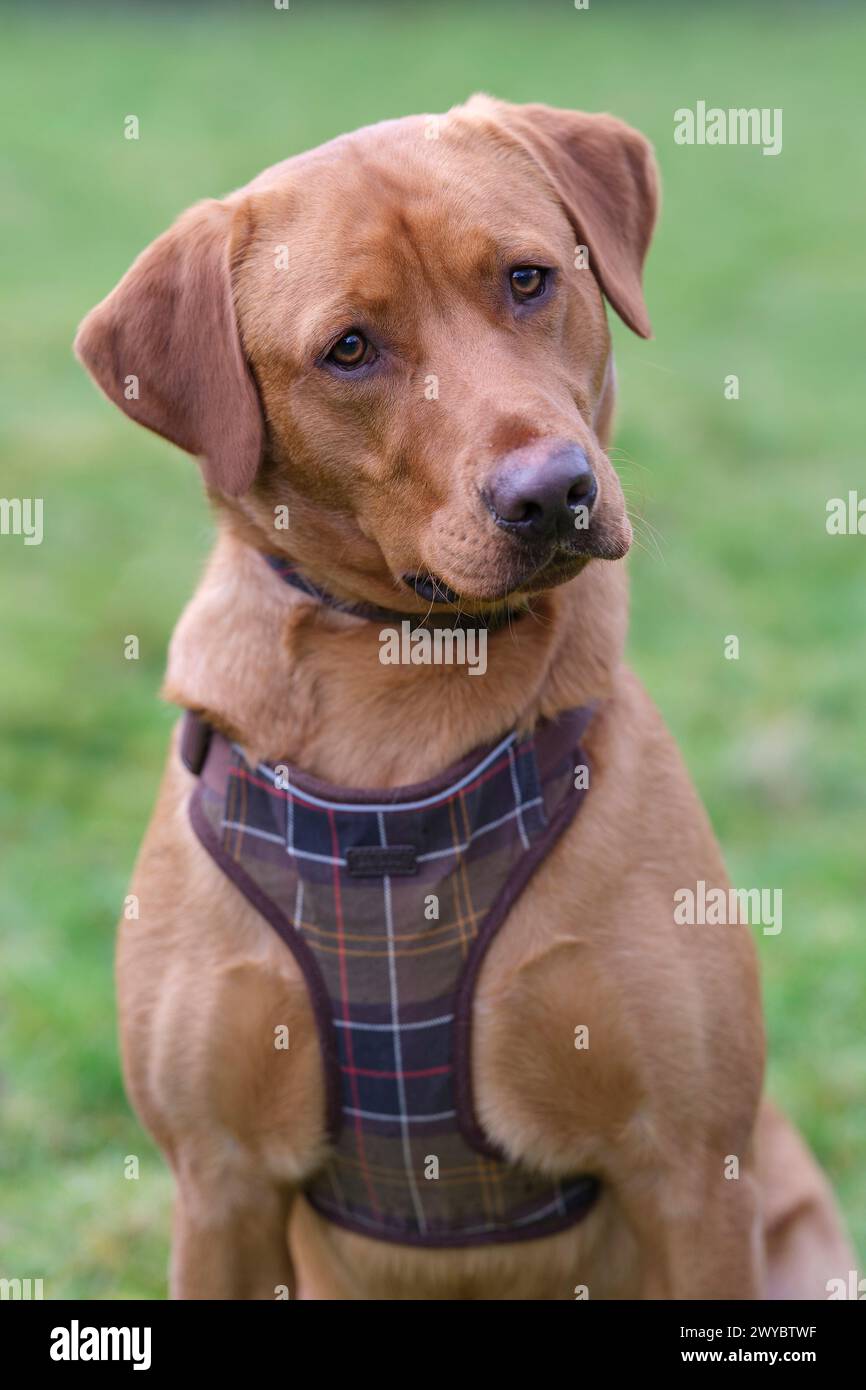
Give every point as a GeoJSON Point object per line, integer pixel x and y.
{"type": "Point", "coordinates": [230, 1233]}
{"type": "Point", "coordinates": [700, 1239]}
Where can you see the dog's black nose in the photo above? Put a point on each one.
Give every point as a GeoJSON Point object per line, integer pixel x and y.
{"type": "Point", "coordinates": [536, 491]}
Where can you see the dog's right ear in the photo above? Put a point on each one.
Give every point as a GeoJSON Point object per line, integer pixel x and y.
{"type": "Point", "coordinates": [164, 346]}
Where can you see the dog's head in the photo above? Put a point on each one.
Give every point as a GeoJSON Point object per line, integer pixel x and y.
{"type": "Point", "coordinates": [399, 341]}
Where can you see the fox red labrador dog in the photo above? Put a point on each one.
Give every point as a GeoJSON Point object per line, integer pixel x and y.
{"type": "Point", "coordinates": [407, 1004]}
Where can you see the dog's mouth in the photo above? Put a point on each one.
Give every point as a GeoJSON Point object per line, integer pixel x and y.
{"type": "Point", "coordinates": [556, 570]}
{"type": "Point", "coordinates": [432, 589]}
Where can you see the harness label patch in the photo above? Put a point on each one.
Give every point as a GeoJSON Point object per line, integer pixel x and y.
{"type": "Point", "coordinates": [371, 861]}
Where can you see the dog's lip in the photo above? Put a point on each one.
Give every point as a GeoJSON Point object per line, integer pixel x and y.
{"type": "Point", "coordinates": [556, 569]}
{"type": "Point", "coordinates": [431, 588]}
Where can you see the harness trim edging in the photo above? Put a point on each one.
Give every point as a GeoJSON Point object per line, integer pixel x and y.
{"type": "Point", "coordinates": [319, 999]}
{"type": "Point", "coordinates": [514, 886]}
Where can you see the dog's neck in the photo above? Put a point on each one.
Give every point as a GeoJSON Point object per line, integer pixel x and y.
{"type": "Point", "coordinates": [288, 677]}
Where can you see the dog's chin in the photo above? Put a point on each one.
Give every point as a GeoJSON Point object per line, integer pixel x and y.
{"type": "Point", "coordinates": [528, 574]}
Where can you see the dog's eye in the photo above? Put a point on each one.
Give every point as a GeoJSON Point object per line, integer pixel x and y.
{"type": "Point", "coordinates": [352, 350]}
{"type": "Point", "coordinates": [528, 281]}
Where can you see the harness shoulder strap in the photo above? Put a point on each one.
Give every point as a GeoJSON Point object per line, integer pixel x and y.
{"type": "Point", "coordinates": [195, 737]}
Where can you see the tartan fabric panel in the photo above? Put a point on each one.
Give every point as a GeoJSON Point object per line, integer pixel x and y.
{"type": "Point", "coordinates": [390, 951]}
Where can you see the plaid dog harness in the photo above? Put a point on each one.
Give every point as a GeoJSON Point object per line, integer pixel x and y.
{"type": "Point", "coordinates": [388, 901]}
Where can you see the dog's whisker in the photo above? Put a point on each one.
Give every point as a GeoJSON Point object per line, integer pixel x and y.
{"type": "Point", "coordinates": [654, 551]}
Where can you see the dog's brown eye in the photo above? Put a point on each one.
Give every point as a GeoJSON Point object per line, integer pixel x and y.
{"type": "Point", "coordinates": [351, 351]}
{"type": "Point", "coordinates": [528, 281]}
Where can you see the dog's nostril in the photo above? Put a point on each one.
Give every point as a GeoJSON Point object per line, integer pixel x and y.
{"type": "Point", "coordinates": [525, 512]}
{"type": "Point", "coordinates": [582, 489]}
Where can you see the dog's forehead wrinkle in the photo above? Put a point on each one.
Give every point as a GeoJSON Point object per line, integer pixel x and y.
{"type": "Point", "coordinates": [409, 243]}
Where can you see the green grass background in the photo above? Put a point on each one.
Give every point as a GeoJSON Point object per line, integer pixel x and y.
{"type": "Point", "coordinates": [757, 270]}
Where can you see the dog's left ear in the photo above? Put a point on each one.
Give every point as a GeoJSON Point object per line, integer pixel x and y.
{"type": "Point", "coordinates": [604, 174]}
{"type": "Point", "coordinates": [164, 346]}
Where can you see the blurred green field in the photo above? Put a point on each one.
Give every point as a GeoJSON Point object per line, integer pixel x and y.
{"type": "Point", "coordinates": [757, 270]}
